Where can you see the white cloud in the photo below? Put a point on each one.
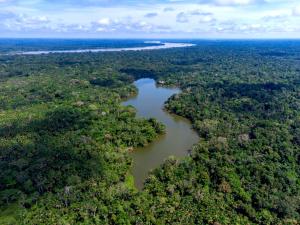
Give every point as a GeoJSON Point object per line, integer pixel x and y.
{"type": "Point", "coordinates": [296, 11]}
{"type": "Point", "coordinates": [126, 25]}
{"type": "Point", "coordinates": [23, 22]}
{"type": "Point", "coordinates": [207, 19]}
{"type": "Point", "coordinates": [31, 20]}
{"type": "Point", "coordinates": [104, 21]}
{"type": "Point", "coordinates": [198, 12]}
{"type": "Point", "coordinates": [274, 18]}
{"type": "Point", "coordinates": [178, 17]}
{"type": "Point", "coordinates": [182, 18]}
{"type": "Point", "coordinates": [235, 2]}
{"type": "Point", "coordinates": [100, 29]}
{"type": "Point", "coordinates": [42, 19]}
{"type": "Point", "coordinates": [201, 16]}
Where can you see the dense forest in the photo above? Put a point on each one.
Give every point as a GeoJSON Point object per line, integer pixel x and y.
{"type": "Point", "coordinates": [18, 45]}
{"type": "Point", "coordinates": [65, 138]}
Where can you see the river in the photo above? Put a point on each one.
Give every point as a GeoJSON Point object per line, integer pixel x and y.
{"type": "Point", "coordinates": [179, 136]}
{"type": "Point", "coordinates": [154, 47]}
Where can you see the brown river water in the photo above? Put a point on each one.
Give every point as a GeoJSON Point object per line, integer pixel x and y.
{"type": "Point", "coordinates": [179, 137]}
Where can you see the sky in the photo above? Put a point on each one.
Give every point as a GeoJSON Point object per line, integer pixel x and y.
{"type": "Point", "coordinates": [204, 19]}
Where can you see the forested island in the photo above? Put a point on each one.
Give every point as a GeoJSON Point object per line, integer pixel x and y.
{"type": "Point", "coordinates": [65, 137]}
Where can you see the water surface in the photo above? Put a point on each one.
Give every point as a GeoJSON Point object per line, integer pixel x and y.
{"type": "Point", "coordinates": [179, 136]}
{"type": "Point", "coordinates": [154, 47]}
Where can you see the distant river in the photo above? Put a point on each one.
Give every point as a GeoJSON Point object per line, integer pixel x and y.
{"type": "Point", "coordinates": [179, 136]}
{"type": "Point", "coordinates": [155, 47]}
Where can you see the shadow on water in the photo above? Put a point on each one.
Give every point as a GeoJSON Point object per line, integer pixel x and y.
{"type": "Point", "coordinates": [179, 136]}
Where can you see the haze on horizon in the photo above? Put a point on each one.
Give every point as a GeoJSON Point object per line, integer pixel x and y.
{"type": "Point", "coordinates": [150, 18]}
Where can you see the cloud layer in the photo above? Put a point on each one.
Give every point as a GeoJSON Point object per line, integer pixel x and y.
{"type": "Point", "coordinates": [150, 18]}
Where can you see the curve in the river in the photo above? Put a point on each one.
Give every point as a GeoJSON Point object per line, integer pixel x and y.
{"type": "Point", "coordinates": [179, 136]}
{"type": "Point", "coordinates": [155, 47]}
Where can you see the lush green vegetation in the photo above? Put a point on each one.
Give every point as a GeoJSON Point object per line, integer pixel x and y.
{"type": "Point", "coordinates": [12, 45]}
{"type": "Point", "coordinates": [65, 137]}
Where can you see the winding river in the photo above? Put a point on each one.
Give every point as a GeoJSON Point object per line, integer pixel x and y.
{"type": "Point", "coordinates": [179, 136]}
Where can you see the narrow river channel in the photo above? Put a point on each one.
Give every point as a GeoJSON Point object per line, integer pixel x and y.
{"type": "Point", "coordinates": [179, 136]}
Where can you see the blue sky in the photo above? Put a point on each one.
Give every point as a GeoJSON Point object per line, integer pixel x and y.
{"type": "Point", "coordinates": [150, 18]}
